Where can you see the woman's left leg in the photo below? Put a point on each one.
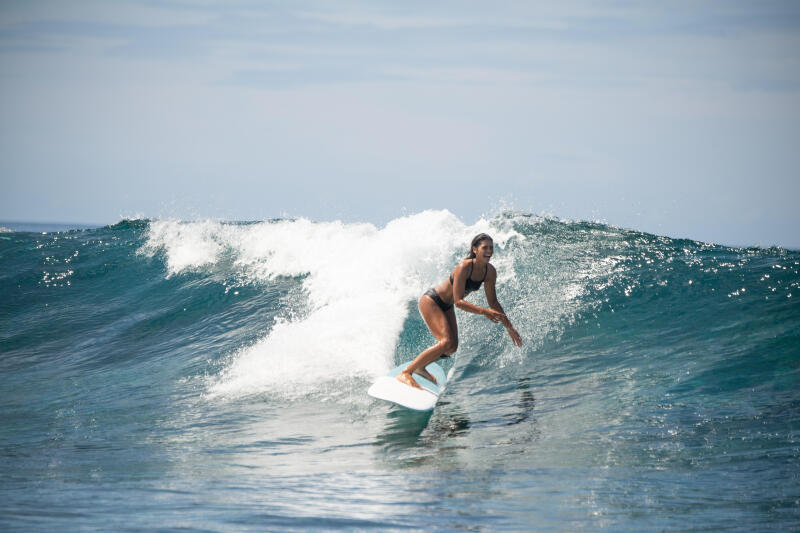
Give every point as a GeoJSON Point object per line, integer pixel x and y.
{"type": "Point", "coordinates": [443, 326]}
{"type": "Point", "coordinates": [452, 346]}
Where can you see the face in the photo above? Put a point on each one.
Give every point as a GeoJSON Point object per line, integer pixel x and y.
{"type": "Point", "coordinates": [484, 250]}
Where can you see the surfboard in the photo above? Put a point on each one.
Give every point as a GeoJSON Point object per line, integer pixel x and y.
{"type": "Point", "coordinates": [388, 388]}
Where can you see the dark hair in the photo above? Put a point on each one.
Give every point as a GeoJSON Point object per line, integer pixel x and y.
{"type": "Point", "coordinates": [476, 241]}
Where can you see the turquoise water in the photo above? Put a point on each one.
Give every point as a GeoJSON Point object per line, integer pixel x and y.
{"type": "Point", "coordinates": [162, 374]}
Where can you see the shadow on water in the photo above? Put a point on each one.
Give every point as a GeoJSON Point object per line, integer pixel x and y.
{"type": "Point", "coordinates": [402, 428]}
{"type": "Point", "coordinates": [519, 421]}
{"type": "Point", "coordinates": [411, 438]}
{"type": "Point", "coordinates": [525, 406]}
{"type": "Point", "coordinates": [415, 439]}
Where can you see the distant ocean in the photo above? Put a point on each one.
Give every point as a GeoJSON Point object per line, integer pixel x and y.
{"type": "Point", "coordinates": [204, 375]}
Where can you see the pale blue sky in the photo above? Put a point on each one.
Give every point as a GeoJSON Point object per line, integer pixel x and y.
{"type": "Point", "coordinates": [679, 118]}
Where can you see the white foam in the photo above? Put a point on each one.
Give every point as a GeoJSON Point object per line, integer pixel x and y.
{"type": "Point", "coordinates": [359, 280]}
{"type": "Point", "coordinates": [187, 245]}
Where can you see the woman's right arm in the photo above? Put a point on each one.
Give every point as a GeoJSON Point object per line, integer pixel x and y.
{"type": "Point", "coordinates": [491, 297]}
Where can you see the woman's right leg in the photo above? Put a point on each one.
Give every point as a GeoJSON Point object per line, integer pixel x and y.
{"type": "Point", "coordinates": [439, 323]}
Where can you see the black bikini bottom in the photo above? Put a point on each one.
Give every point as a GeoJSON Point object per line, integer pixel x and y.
{"type": "Point", "coordinates": [438, 299]}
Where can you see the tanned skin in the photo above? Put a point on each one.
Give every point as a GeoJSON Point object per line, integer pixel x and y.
{"type": "Point", "coordinates": [443, 323]}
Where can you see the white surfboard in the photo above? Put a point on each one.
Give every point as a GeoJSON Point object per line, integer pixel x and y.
{"type": "Point", "coordinates": [388, 388]}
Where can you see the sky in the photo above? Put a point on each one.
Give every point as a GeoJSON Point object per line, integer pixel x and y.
{"type": "Point", "coordinates": [676, 118]}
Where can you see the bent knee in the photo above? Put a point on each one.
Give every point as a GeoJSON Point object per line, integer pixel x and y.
{"type": "Point", "coordinates": [450, 346]}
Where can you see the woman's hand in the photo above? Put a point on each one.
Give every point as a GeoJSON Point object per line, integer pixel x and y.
{"type": "Point", "coordinates": [514, 335]}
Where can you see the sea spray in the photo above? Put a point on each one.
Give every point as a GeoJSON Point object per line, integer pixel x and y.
{"type": "Point", "coordinates": [357, 283]}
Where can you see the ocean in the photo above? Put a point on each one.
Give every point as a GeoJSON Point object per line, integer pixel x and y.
{"type": "Point", "coordinates": [212, 376]}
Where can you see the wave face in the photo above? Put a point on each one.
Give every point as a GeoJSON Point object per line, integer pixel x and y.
{"type": "Point", "coordinates": [165, 373]}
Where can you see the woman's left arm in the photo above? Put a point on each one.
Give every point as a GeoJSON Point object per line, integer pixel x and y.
{"type": "Point", "coordinates": [491, 299]}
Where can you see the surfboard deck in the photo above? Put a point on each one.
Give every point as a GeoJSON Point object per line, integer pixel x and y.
{"type": "Point", "coordinates": [388, 388]}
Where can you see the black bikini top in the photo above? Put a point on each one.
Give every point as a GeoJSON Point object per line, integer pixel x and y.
{"type": "Point", "coordinates": [472, 285]}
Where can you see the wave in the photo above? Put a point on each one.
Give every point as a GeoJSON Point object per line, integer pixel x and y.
{"type": "Point", "coordinates": [296, 307]}
{"type": "Point", "coordinates": [358, 285]}
{"type": "Point", "coordinates": [356, 281]}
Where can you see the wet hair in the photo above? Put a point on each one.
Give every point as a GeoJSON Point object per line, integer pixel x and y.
{"type": "Point", "coordinates": [476, 241]}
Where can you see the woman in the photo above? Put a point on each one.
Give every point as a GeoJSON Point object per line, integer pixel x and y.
{"type": "Point", "coordinates": [436, 307]}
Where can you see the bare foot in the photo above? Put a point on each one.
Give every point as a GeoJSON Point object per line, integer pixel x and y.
{"type": "Point", "coordinates": [427, 375]}
{"type": "Point", "coordinates": [405, 377]}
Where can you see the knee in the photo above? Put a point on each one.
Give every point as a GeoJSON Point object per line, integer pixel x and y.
{"type": "Point", "coordinates": [450, 346]}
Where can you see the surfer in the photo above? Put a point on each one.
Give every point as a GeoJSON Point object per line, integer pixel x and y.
{"type": "Point", "coordinates": [436, 307]}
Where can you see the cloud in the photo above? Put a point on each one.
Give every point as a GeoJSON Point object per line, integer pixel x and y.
{"type": "Point", "coordinates": [386, 21]}
{"type": "Point", "coordinates": [130, 13]}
